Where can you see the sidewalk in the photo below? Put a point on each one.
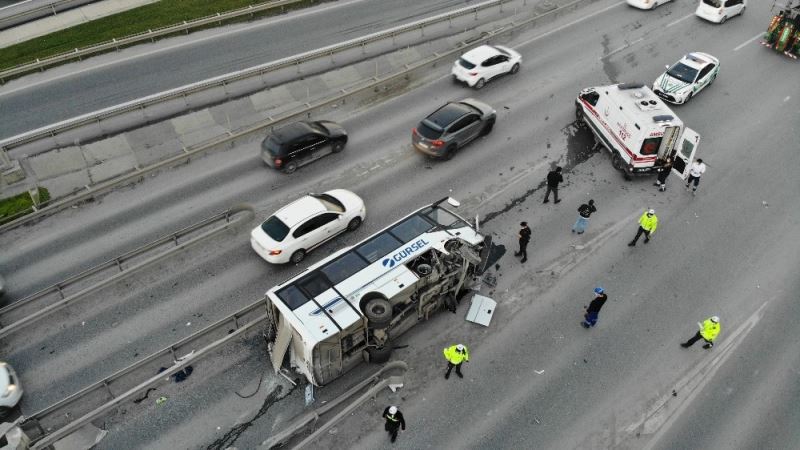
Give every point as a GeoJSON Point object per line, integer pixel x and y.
{"type": "Point", "coordinates": [67, 19]}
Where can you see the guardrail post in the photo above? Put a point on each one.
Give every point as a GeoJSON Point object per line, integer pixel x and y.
{"type": "Point", "coordinates": [476, 13]}
{"type": "Point", "coordinates": [333, 61]}
{"type": "Point", "coordinates": [152, 39]}
{"type": "Point", "coordinates": [187, 28]}
{"type": "Point", "coordinates": [119, 265]}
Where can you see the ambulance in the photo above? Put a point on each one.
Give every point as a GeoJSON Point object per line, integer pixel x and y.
{"type": "Point", "coordinates": [637, 128]}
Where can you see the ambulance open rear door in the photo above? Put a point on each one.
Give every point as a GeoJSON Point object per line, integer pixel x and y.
{"type": "Point", "coordinates": [685, 154]}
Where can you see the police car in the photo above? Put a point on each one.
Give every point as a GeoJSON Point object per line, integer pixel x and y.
{"type": "Point", "coordinates": [686, 77]}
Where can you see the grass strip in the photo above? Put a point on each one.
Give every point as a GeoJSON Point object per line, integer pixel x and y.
{"type": "Point", "coordinates": [138, 20]}
{"type": "Point", "coordinates": [14, 207]}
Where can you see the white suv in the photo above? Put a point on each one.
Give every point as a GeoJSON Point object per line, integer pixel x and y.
{"type": "Point", "coordinates": [296, 229]}
{"type": "Point", "coordinates": [10, 389]}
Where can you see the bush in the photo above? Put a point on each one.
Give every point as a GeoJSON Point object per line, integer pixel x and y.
{"type": "Point", "coordinates": [14, 207]}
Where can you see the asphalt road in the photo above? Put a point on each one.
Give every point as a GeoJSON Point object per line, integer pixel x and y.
{"type": "Point", "coordinates": [78, 88]}
{"type": "Point", "coordinates": [536, 378]}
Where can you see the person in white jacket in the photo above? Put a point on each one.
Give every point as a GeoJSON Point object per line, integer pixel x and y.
{"type": "Point", "coordinates": [695, 172]}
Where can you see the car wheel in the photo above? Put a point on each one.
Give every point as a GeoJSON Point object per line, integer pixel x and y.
{"type": "Point", "coordinates": [378, 312]}
{"type": "Point", "coordinates": [4, 412]}
{"type": "Point", "coordinates": [337, 146]}
{"type": "Point", "coordinates": [688, 97]}
{"type": "Point", "coordinates": [298, 256]}
{"type": "Point", "coordinates": [380, 355]}
{"type": "Point", "coordinates": [714, 77]}
{"type": "Point", "coordinates": [450, 152]}
{"type": "Point", "coordinates": [724, 18]}
{"type": "Point", "coordinates": [742, 11]}
{"type": "Point", "coordinates": [455, 80]}
{"type": "Point", "coordinates": [290, 167]}
{"type": "Point", "coordinates": [488, 127]}
{"type": "Point", "coordinates": [578, 112]}
{"type": "Point", "coordinates": [515, 68]}
{"type": "Point", "coordinates": [480, 84]}
{"type": "Point", "coordinates": [616, 161]}
{"type": "Point", "coordinates": [354, 224]}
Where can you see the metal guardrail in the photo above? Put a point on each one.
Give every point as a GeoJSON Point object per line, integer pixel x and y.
{"type": "Point", "coordinates": [43, 303]}
{"type": "Point", "coordinates": [58, 205]}
{"type": "Point", "coordinates": [125, 383]}
{"type": "Point", "coordinates": [223, 80]}
{"type": "Point", "coordinates": [35, 10]}
{"type": "Point", "coordinates": [50, 438]}
{"type": "Point", "coordinates": [148, 35]}
{"type": "Point", "coordinates": [298, 424]}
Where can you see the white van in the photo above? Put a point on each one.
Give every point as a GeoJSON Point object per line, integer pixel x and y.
{"type": "Point", "coordinates": [718, 11]}
{"type": "Point", "coordinates": [637, 127]}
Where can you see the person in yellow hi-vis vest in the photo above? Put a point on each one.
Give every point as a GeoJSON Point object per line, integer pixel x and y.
{"type": "Point", "coordinates": [647, 226]}
{"type": "Point", "coordinates": [455, 356]}
{"type": "Point", "coordinates": [709, 330]}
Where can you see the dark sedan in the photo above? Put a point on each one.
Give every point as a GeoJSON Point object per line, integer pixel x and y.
{"type": "Point", "coordinates": [453, 126]}
{"type": "Point", "coordinates": [300, 143]}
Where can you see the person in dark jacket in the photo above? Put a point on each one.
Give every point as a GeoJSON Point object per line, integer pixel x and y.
{"type": "Point", "coordinates": [524, 238]}
{"type": "Point", "coordinates": [584, 211]}
{"type": "Point", "coordinates": [663, 173]}
{"type": "Point", "coordinates": [553, 178]}
{"type": "Point", "coordinates": [394, 421]}
{"type": "Point", "coordinates": [593, 311]}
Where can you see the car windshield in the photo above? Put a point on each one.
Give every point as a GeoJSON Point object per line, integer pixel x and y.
{"type": "Point", "coordinates": [714, 3]}
{"type": "Point", "coordinates": [500, 50]}
{"type": "Point", "coordinates": [319, 128]}
{"type": "Point", "coordinates": [272, 146]}
{"type": "Point", "coordinates": [466, 64]}
{"type": "Point", "coordinates": [275, 228]}
{"type": "Point", "coordinates": [429, 131]}
{"type": "Point", "coordinates": [330, 202]}
{"type": "Point", "coordinates": [682, 72]}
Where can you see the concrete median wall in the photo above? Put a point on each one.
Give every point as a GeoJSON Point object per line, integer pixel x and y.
{"type": "Point", "coordinates": [71, 168]}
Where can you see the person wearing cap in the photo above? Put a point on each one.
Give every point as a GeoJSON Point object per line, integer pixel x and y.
{"type": "Point", "coordinates": [647, 226]}
{"type": "Point", "coordinates": [524, 237]}
{"type": "Point", "coordinates": [593, 311]}
{"type": "Point", "coordinates": [697, 169]}
{"type": "Point", "coordinates": [394, 421]}
{"type": "Point", "coordinates": [455, 356]}
{"type": "Point", "coordinates": [709, 330]}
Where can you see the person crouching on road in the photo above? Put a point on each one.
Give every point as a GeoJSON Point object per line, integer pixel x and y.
{"type": "Point", "coordinates": [709, 330]}
{"type": "Point", "coordinates": [647, 226]}
{"type": "Point", "coordinates": [593, 311]}
{"type": "Point", "coordinates": [394, 421]}
{"type": "Point", "coordinates": [455, 356]}
{"type": "Point", "coordinates": [584, 211]}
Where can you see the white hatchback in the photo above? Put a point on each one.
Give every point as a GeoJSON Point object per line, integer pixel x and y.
{"type": "Point", "coordinates": [646, 4]}
{"type": "Point", "coordinates": [718, 11]}
{"type": "Point", "coordinates": [483, 63]}
{"type": "Point", "coordinates": [299, 227]}
{"type": "Point", "coordinates": [10, 389]}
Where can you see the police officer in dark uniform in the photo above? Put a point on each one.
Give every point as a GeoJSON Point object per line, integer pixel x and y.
{"type": "Point", "coordinates": [394, 421]}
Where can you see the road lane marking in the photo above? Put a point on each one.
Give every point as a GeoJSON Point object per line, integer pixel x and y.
{"type": "Point", "coordinates": [627, 45]}
{"type": "Point", "coordinates": [748, 41]}
{"type": "Point", "coordinates": [663, 412]}
{"type": "Point", "coordinates": [574, 22]}
{"type": "Point", "coordinates": [182, 44]}
{"type": "Point", "coordinates": [679, 20]}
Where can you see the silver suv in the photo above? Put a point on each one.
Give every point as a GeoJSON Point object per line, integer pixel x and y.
{"type": "Point", "coordinates": [453, 126]}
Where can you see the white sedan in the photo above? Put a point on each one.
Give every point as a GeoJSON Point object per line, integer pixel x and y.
{"type": "Point", "coordinates": [297, 228]}
{"type": "Point", "coordinates": [483, 63]}
{"type": "Point", "coordinates": [684, 79]}
{"type": "Point", "coordinates": [10, 389]}
{"type": "Point", "coordinates": [646, 4]}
